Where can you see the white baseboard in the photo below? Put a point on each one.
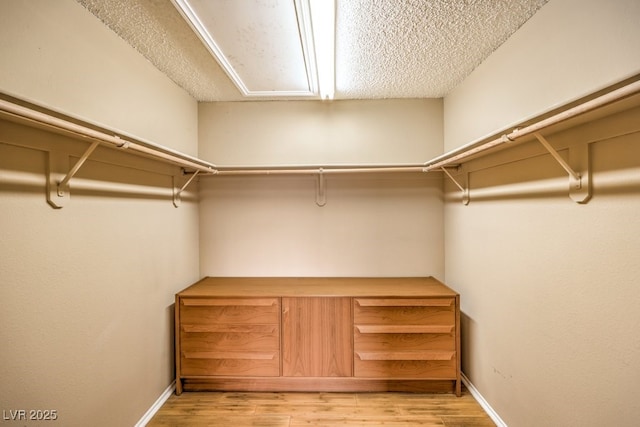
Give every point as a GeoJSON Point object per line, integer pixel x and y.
{"type": "Point", "coordinates": [485, 405]}
{"type": "Point", "coordinates": [156, 405]}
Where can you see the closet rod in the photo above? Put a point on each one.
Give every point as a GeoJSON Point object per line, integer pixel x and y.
{"type": "Point", "coordinates": [459, 154]}
{"type": "Point", "coordinates": [145, 148]}
{"type": "Point", "coordinates": [449, 159]}
{"type": "Point", "coordinates": [312, 170]}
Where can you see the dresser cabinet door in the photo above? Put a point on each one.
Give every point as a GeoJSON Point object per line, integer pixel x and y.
{"type": "Point", "coordinates": [405, 338]}
{"type": "Point", "coordinates": [238, 337]}
{"type": "Point", "coordinates": [317, 337]}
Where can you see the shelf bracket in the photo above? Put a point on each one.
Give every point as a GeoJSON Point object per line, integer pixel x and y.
{"type": "Point", "coordinates": [58, 189]}
{"type": "Point", "coordinates": [321, 195]}
{"type": "Point", "coordinates": [465, 191]}
{"type": "Point", "coordinates": [177, 192]}
{"type": "Point", "coordinates": [579, 181]}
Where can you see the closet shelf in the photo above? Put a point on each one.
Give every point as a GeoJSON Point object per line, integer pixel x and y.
{"type": "Point", "coordinates": [38, 117]}
{"type": "Point", "coordinates": [579, 170]}
{"type": "Point", "coordinates": [454, 157]}
{"type": "Point", "coordinates": [59, 174]}
{"type": "Point", "coordinates": [459, 155]}
{"type": "Point", "coordinates": [21, 111]}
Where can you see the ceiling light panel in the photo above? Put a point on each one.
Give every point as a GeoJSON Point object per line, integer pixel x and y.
{"type": "Point", "coordinates": [259, 43]}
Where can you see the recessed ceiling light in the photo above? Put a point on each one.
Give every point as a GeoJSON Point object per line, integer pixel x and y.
{"type": "Point", "coordinates": [276, 48]}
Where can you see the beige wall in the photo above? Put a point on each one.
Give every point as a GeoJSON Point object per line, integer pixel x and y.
{"type": "Point", "coordinates": [313, 132]}
{"type": "Point", "coordinates": [372, 225]}
{"type": "Point", "coordinates": [567, 50]}
{"type": "Point", "coordinates": [87, 290]}
{"type": "Point", "coordinates": [59, 55]}
{"type": "Point", "coordinates": [549, 287]}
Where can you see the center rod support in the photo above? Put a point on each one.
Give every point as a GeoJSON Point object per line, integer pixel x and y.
{"type": "Point", "coordinates": [186, 184]}
{"type": "Point", "coordinates": [465, 191]}
{"type": "Point", "coordinates": [453, 179]}
{"type": "Point", "coordinates": [177, 192]}
{"type": "Point", "coordinates": [321, 195]}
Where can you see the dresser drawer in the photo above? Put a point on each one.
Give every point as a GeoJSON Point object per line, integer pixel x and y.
{"type": "Point", "coordinates": [209, 311]}
{"type": "Point", "coordinates": [204, 338]}
{"type": "Point", "coordinates": [370, 339]}
{"type": "Point", "coordinates": [398, 311]}
{"type": "Point", "coordinates": [405, 365]}
{"type": "Point", "coordinates": [234, 363]}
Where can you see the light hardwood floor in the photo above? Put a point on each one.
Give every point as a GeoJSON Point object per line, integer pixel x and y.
{"type": "Point", "coordinates": [320, 409]}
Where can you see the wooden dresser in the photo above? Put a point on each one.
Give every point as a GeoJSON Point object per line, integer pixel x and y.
{"type": "Point", "coordinates": [318, 334]}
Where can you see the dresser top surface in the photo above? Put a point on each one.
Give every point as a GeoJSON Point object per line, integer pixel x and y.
{"type": "Point", "coordinates": [318, 287]}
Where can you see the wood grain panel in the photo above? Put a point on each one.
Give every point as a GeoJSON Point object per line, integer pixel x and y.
{"type": "Point", "coordinates": [225, 327]}
{"type": "Point", "coordinates": [233, 314]}
{"type": "Point", "coordinates": [231, 355]}
{"type": "Point", "coordinates": [404, 302]}
{"type": "Point", "coordinates": [404, 315]}
{"type": "Point", "coordinates": [403, 342]}
{"type": "Point", "coordinates": [426, 369]}
{"type": "Point", "coordinates": [317, 337]}
{"type": "Point", "coordinates": [227, 341]}
{"type": "Point", "coordinates": [253, 287]}
{"type": "Point", "coordinates": [327, 384]}
{"type": "Point", "coordinates": [260, 365]}
{"type": "Point", "coordinates": [406, 355]}
{"type": "Point", "coordinates": [404, 329]}
{"type": "Point", "coordinates": [251, 302]}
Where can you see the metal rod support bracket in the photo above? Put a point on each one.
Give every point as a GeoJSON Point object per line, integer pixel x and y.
{"type": "Point", "coordinates": [463, 189]}
{"type": "Point", "coordinates": [580, 180]}
{"type": "Point", "coordinates": [58, 189]}
{"type": "Point", "coordinates": [177, 192]}
{"type": "Point", "coordinates": [558, 158]}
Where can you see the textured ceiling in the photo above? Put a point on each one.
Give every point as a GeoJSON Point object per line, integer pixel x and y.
{"type": "Point", "coordinates": [419, 48]}
{"type": "Point", "coordinates": [384, 48]}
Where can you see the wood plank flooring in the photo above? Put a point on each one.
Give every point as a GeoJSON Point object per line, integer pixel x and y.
{"type": "Point", "coordinates": [235, 409]}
